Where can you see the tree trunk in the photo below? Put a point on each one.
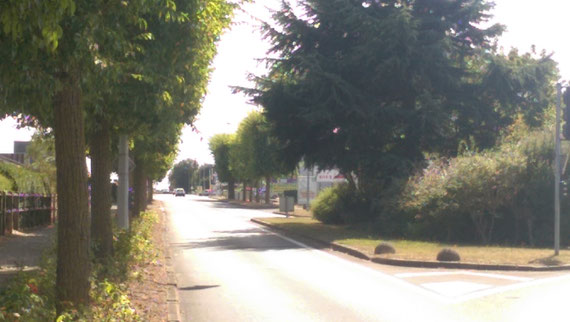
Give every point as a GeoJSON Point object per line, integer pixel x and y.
{"type": "Point", "coordinates": [101, 222]}
{"type": "Point", "coordinates": [139, 187]}
{"type": "Point", "coordinates": [244, 192]}
{"type": "Point", "coordinates": [231, 190]}
{"type": "Point", "coordinates": [267, 190]}
{"type": "Point", "coordinates": [257, 192]}
{"type": "Point", "coordinates": [150, 191]}
{"type": "Point", "coordinates": [73, 231]}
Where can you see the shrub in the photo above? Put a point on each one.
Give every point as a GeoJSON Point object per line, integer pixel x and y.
{"type": "Point", "coordinates": [31, 295]}
{"type": "Point", "coordinates": [5, 183]}
{"type": "Point", "coordinates": [384, 248]}
{"type": "Point", "coordinates": [340, 205]}
{"type": "Point", "coordinates": [23, 180]}
{"type": "Point", "coordinates": [448, 255]}
{"type": "Point", "coordinates": [326, 206]}
{"type": "Point", "coordinates": [503, 195]}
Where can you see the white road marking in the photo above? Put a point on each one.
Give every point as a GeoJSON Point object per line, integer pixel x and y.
{"type": "Point", "coordinates": [423, 291]}
{"type": "Point", "coordinates": [512, 287]}
{"type": "Point", "coordinates": [378, 274]}
{"type": "Point", "coordinates": [455, 288]}
{"type": "Point", "coordinates": [498, 276]}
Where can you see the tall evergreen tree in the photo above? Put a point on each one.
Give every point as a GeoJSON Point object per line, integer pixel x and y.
{"type": "Point", "coordinates": [370, 86]}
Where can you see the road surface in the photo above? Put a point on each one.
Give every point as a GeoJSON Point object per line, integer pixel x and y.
{"type": "Point", "coordinates": [230, 269]}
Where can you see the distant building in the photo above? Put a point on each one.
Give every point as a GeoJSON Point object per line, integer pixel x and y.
{"type": "Point", "coordinates": [20, 155]}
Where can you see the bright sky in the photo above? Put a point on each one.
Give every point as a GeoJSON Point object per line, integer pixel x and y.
{"type": "Point", "coordinates": [528, 22]}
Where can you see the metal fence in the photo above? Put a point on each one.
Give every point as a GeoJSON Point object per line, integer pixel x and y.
{"type": "Point", "coordinates": [20, 211]}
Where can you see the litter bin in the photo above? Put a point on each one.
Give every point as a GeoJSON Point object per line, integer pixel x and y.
{"type": "Point", "coordinates": [286, 203]}
{"type": "Point", "coordinates": [291, 193]}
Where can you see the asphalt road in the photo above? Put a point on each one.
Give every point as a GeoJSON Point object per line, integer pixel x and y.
{"type": "Point", "coordinates": [230, 269]}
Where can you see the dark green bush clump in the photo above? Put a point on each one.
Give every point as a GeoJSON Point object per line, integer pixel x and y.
{"type": "Point", "coordinates": [504, 195]}
{"type": "Point", "coordinates": [340, 205]}
{"type": "Point", "coordinates": [384, 248]}
{"type": "Point", "coordinates": [448, 255]}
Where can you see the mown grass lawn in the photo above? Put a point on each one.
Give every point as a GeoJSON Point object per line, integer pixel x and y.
{"type": "Point", "coordinates": [420, 250]}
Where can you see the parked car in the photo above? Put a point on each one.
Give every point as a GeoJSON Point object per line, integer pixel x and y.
{"type": "Point", "coordinates": [179, 192]}
{"type": "Point", "coordinates": [204, 193]}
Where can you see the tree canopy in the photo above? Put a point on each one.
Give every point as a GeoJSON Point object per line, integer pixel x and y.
{"type": "Point", "coordinates": [133, 66]}
{"type": "Point", "coordinates": [220, 146]}
{"type": "Point", "coordinates": [183, 173]}
{"type": "Point", "coordinates": [371, 86]}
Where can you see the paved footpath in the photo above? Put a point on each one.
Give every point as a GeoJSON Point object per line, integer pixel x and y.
{"type": "Point", "coordinates": [23, 250]}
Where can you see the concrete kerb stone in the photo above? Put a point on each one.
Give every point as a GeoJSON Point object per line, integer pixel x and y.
{"type": "Point", "coordinates": [172, 299]}
{"type": "Point", "coordinates": [290, 214]}
{"type": "Point", "coordinates": [334, 246]}
{"type": "Point", "coordinates": [415, 263]}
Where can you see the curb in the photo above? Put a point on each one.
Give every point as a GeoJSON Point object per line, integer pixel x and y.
{"type": "Point", "coordinates": [172, 299]}
{"type": "Point", "coordinates": [414, 263]}
{"type": "Point", "coordinates": [333, 246]}
{"type": "Point", "coordinates": [473, 266]}
{"type": "Point", "coordinates": [287, 214]}
{"type": "Point", "coordinates": [255, 206]}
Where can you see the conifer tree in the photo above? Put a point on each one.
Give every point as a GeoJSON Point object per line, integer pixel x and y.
{"type": "Point", "coordinates": [370, 86]}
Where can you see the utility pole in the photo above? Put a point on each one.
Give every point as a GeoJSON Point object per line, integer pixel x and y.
{"type": "Point", "coordinates": [308, 188]}
{"type": "Point", "coordinates": [557, 173]}
{"type": "Point", "coordinates": [123, 193]}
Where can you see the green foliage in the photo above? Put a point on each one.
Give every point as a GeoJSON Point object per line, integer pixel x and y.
{"type": "Point", "coordinates": [220, 146]}
{"type": "Point", "coordinates": [502, 195]}
{"type": "Point", "coordinates": [340, 205]}
{"type": "Point", "coordinates": [448, 255]}
{"type": "Point", "coordinates": [369, 87]}
{"type": "Point", "coordinates": [256, 153]}
{"type": "Point", "coordinates": [31, 295]}
{"type": "Point", "coordinates": [134, 246]}
{"type": "Point", "coordinates": [24, 180]}
{"type": "Point", "coordinates": [184, 174]}
{"type": "Point", "coordinates": [42, 152]}
{"type": "Point", "coordinates": [6, 184]}
{"type": "Point", "coordinates": [18, 18]}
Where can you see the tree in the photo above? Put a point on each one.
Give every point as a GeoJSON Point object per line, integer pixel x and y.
{"type": "Point", "coordinates": [371, 86]}
{"type": "Point", "coordinates": [220, 146]}
{"type": "Point", "coordinates": [42, 152]}
{"type": "Point", "coordinates": [152, 90]}
{"type": "Point", "coordinates": [152, 155]}
{"type": "Point", "coordinates": [50, 55]}
{"type": "Point", "coordinates": [258, 151]}
{"type": "Point", "coordinates": [183, 174]}
{"type": "Point", "coordinates": [205, 176]}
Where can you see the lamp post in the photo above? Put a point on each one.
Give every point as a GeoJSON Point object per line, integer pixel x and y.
{"type": "Point", "coordinates": [557, 173]}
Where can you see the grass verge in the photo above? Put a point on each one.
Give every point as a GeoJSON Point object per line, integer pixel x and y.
{"type": "Point", "coordinates": [420, 250]}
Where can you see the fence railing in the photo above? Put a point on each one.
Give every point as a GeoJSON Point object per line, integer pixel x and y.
{"type": "Point", "coordinates": [22, 210]}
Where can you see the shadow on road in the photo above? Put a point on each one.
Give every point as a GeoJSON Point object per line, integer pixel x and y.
{"type": "Point", "coordinates": [252, 239]}
{"type": "Point", "coordinates": [197, 287]}
{"type": "Point", "coordinates": [232, 205]}
{"type": "Point", "coordinates": [206, 200]}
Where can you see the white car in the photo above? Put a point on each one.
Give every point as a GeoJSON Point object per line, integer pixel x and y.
{"type": "Point", "coordinates": [179, 192]}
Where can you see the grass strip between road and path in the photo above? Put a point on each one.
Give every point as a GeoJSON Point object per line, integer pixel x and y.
{"type": "Point", "coordinates": [362, 241]}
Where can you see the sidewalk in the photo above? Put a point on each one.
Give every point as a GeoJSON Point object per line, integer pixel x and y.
{"type": "Point", "coordinates": [22, 251]}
